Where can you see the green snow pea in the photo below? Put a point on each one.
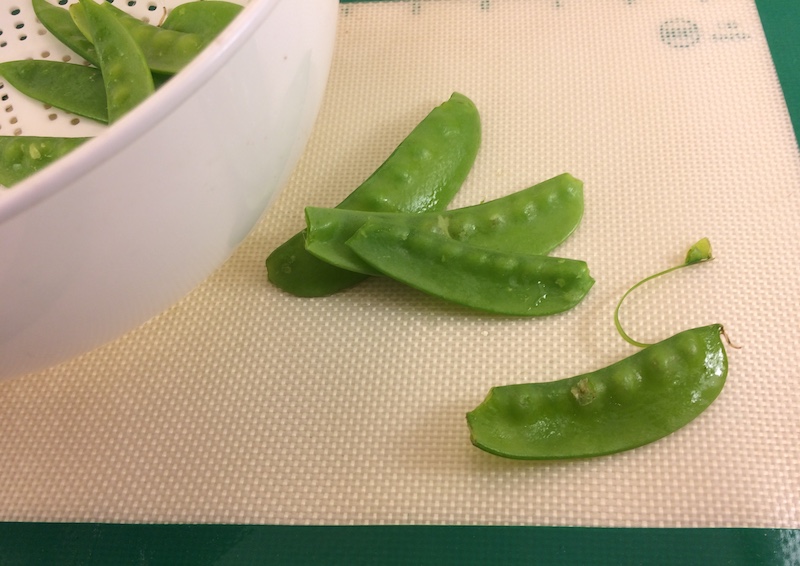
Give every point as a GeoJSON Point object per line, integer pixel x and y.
{"type": "Point", "coordinates": [59, 22]}
{"type": "Point", "coordinates": [422, 174]}
{"type": "Point", "coordinates": [531, 221]}
{"type": "Point", "coordinates": [632, 402]}
{"type": "Point", "coordinates": [166, 51]}
{"type": "Point", "coordinates": [494, 281]}
{"type": "Point", "coordinates": [625, 405]}
{"type": "Point", "coordinates": [22, 156]}
{"type": "Point", "coordinates": [75, 88]}
{"type": "Point", "coordinates": [126, 76]}
{"type": "Point", "coordinates": [207, 18]}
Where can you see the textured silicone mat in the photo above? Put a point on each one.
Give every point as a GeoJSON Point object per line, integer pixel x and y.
{"type": "Point", "coordinates": [243, 404]}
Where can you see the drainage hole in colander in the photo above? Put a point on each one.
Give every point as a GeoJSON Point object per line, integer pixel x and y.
{"type": "Point", "coordinates": [18, 26]}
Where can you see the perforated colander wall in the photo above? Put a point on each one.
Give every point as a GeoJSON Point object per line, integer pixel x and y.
{"type": "Point", "coordinates": [22, 36]}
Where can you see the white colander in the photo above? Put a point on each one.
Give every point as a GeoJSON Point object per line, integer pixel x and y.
{"type": "Point", "coordinates": [128, 223]}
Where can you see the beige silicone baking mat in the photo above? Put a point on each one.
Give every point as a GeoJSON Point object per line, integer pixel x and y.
{"type": "Point", "coordinates": [244, 404]}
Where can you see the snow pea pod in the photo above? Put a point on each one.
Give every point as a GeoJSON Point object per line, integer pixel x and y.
{"type": "Point", "coordinates": [126, 76]}
{"type": "Point", "coordinates": [75, 88]}
{"type": "Point", "coordinates": [22, 156]}
{"type": "Point", "coordinates": [166, 51]}
{"type": "Point", "coordinates": [59, 22]}
{"type": "Point", "coordinates": [633, 402]}
{"type": "Point", "coordinates": [531, 221]}
{"type": "Point", "coordinates": [207, 18]}
{"type": "Point", "coordinates": [422, 174]}
{"type": "Point", "coordinates": [493, 281]}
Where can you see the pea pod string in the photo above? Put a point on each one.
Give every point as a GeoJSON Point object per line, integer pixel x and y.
{"type": "Point", "coordinates": [699, 252]}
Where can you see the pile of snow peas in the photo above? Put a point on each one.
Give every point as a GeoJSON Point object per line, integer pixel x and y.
{"type": "Point", "coordinates": [128, 59]}
{"type": "Point", "coordinates": [494, 257]}
{"type": "Point", "coordinates": [491, 256]}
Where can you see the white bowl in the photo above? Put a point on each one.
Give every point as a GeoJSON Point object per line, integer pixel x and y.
{"type": "Point", "coordinates": [130, 222]}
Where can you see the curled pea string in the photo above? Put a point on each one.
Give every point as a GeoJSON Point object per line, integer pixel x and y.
{"type": "Point", "coordinates": [698, 253]}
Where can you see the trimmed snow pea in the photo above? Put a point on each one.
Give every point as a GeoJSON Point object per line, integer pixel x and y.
{"type": "Point", "coordinates": [422, 174]}
{"type": "Point", "coordinates": [166, 51]}
{"type": "Point", "coordinates": [126, 76]}
{"type": "Point", "coordinates": [493, 281]}
{"type": "Point", "coordinates": [531, 221]}
{"type": "Point", "coordinates": [59, 22]}
{"type": "Point", "coordinates": [207, 18]}
{"type": "Point", "coordinates": [22, 156]}
{"type": "Point", "coordinates": [75, 88]}
{"type": "Point", "coordinates": [633, 402]}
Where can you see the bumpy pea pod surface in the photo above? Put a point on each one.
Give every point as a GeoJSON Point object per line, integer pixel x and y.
{"type": "Point", "coordinates": [424, 173]}
{"type": "Point", "coordinates": [126, 76]}
{"type": "Point", "coordinates": [207, 18]}
{"type": "Point", "coordinates": [75, 88]}
{"type": "Point", "coordinates": [531, 221]}
{"type": "Point", "coordinates": [22, 156]}
{"type": "Point", "coordinates": [633, 402]}
{"type": "Point", "coordinates": [493, 281]}
{"type": "Point", "coordinates": [166, 51]}
{"type": "Point", "coordinates": [59, 22]}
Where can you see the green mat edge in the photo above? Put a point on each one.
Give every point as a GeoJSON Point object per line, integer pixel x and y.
{"type": "Point", "coordinates": [122, 544]}
{"type": "Point", "coordinates": [780, 20]}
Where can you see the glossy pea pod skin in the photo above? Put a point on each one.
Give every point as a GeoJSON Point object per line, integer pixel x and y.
{"type": "Point", "coordinates": [531, 221]}
{"type": "Point", "coordinates": [126, 76]}
{"type": "Point", "coordinates": [75, 88]}
{"type": "Point", "coordinates": [22, 156]}
{"type": "Point", "coordinates": [633, 402]}
{"type": "Point", "coordinates": [424, 173]}
{"type": "Point", "coordinates": [166, 51]}
{"type": "Point", "coordinates": [207, 18]}
{"type": "Point", "coordinates": [59, 22]}
{"type": "Point", "coordinates": [493, 281]}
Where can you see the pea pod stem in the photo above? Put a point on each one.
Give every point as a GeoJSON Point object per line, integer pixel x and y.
{"type": "Point", "coordinates": [700, 252]}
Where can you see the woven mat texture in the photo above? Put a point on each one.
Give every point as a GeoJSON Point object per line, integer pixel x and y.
{"type": "Point", "coordinates": [244, 404]}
